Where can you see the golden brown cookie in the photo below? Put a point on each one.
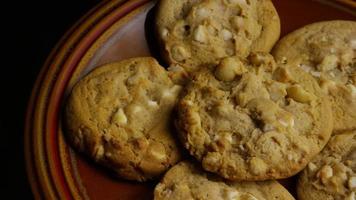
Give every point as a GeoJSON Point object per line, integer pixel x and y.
{"type": "Point", "coordinates": [251, 120]}
{"type": "Point", "coordinates": [332, 174]}
{"type": "Point", "coordinates": [192, 33]}
{"type": "Point", "coordinates": [327, 50]}
{"type": "Point", "coordinates": [120, 115]}
{"type": "Point", "coordinates": [188, 181]}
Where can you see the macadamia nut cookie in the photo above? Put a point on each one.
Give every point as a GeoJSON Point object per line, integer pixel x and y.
{"type": "Point", "coordinates": [120, 115]}
{"type": "Point", "coordinates": [332, 174]}
{"type": "Point", "coordinates": [252, 120]}
{"type": "Point", "coordinates": [188, 181]}
{"type": "Point", "coordinates": [327, 50]}
{"type": "Point", "coordinates": [195, 33]}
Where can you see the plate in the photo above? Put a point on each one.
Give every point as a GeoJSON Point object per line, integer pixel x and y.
{"type": "Point", "coordinates": [112, 31]}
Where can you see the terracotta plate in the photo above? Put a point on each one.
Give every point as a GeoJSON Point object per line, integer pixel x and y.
{"type": "Point", "coordinates": [112, 31]}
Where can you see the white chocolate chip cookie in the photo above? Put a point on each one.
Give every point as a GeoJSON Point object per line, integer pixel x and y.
{"type": "Point", "coordinates": [332, 174]}
{"type": "Point", "coordinates": [196, 33]}
{"type": "Point", "coordinates": [256, 122]}
{"type": "Point", "coordinates": [327, 51]}
{"type": "Point", "coordinates": [188, 181]}
{"type": "Point", "coordinates": [119, 115]}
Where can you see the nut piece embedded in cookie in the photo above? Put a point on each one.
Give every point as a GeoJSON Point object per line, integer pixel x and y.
{"type": "Point", "coordinates": [180, 53]}
{"type": "Point", "coordinates": [328, 63]}
{"type": "Point", "coordinates": [282, 75]}
{"type": "Point", "coordinates": [325, 173]}
{"type": "Point", "coordinates": [258, 166]}
{"type": "Point", "coordinates": [229, 68]}
{"type": "Point", "coordinates": [297, 93]}
{"type": "Point", "coordinates": [119, 118]}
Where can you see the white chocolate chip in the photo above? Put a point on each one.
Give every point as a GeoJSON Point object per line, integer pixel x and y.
{"type": "Point", "coordinates": [152, 103]}
{"type": "Point", "coordinates": [159, 155]}
{"type": "Point", "coordinates": [136, 109]}
{"type": "Point", "coordinates": [268, 127]}
{"type": "Point", "coordinates": [175, 68]}
{"type": "Point", "coordinates": [232, 195]}
{"type": "Point", "coordinates": [286, 123]}
{"type": "Point", "coordinates": [306, 68]}
{"type": "Point", "coordinates": [179, 53]}
{"type": "Point", "coordinates": [216, 138]}
{"type": "Point", "coordinates": [164, 33]}
{"type": "Point", "coordinates": [277, 91]}
{"type": "Point", "coordinates": [258, 166]}
{"type": "Point", "coordinates": [286, 119]}
{"type": "Point", "coordinates": [107, 137]}
{"type": "Point", "coordinates": [312, 167]}
{"type": "Point", "coordinates": [172, 92]}
{"type": "Point", "coordinates": [167, 192]}
{"type": "Point", "coordinates": [134, 79]}
{"type": "Point", "coordinates": [352, 182]}
{"type": "Point", "coordinates": [228, 138]}
{"type": "Point", "coordinates": [315, 73]}
{"type": "Point", "coordinates": [297, 93]}
{"type": "Point", "coordinates": [202, 13]}
{"type": "Point", "coordinates": [108, 154]}
{"type": "Point", "coordinates": [353, 44]}
{"type": "Point", "coordinates": [289, 157]}
{"type": "Point", "coordinates": [211, 159]}
{"type": "Point", "coordinates": [241, 147]}
{"type": "Point", "coordinates": [189, 103]}
{"type": "Point", "coordinates": [325, 172]}
{"type": "Point", "coordinates": [120, 117]}
{"type": "Point", "coordinates": [226, 34]}
{"type": "Point", "coordinates": [328, 63]}
{"type": "Point", "coordinates": [200, 34]}
{"type": "Point", "coordinates": [351, 196]}
{"type": "Point", "coordinates": [250, 197]}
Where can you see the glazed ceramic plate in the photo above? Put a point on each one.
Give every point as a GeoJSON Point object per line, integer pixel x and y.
{"type": "Point", "coordinates": [112, 31]}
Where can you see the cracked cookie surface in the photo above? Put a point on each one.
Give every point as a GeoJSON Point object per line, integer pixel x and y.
{"type": "Point", "coordinates": [196, 33]}
{"type": "Point", "coordinates": [187, 180]}
{"type": "Point", "coordinates": [332, 174]}
{"type": "Point", "coordinates": [120, 115]}
{"type": "Point", "coordinates": [252, 120]}
{"type": "Point", "coordinates": [327, 50]}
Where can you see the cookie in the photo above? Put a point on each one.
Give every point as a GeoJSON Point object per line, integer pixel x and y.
{"type": "Point", "coordinates": [188, 181]}
{"type": "Point", "coordinates": [331, 174]}
{"type": "Point", "coordinates": [120, 116]}
{"type": "Point", "coordinates": [327, 50]}
{"type": "Point", "coordinates": [197, 33]}
{"type": "Point", "coordinates": [253, 120]}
